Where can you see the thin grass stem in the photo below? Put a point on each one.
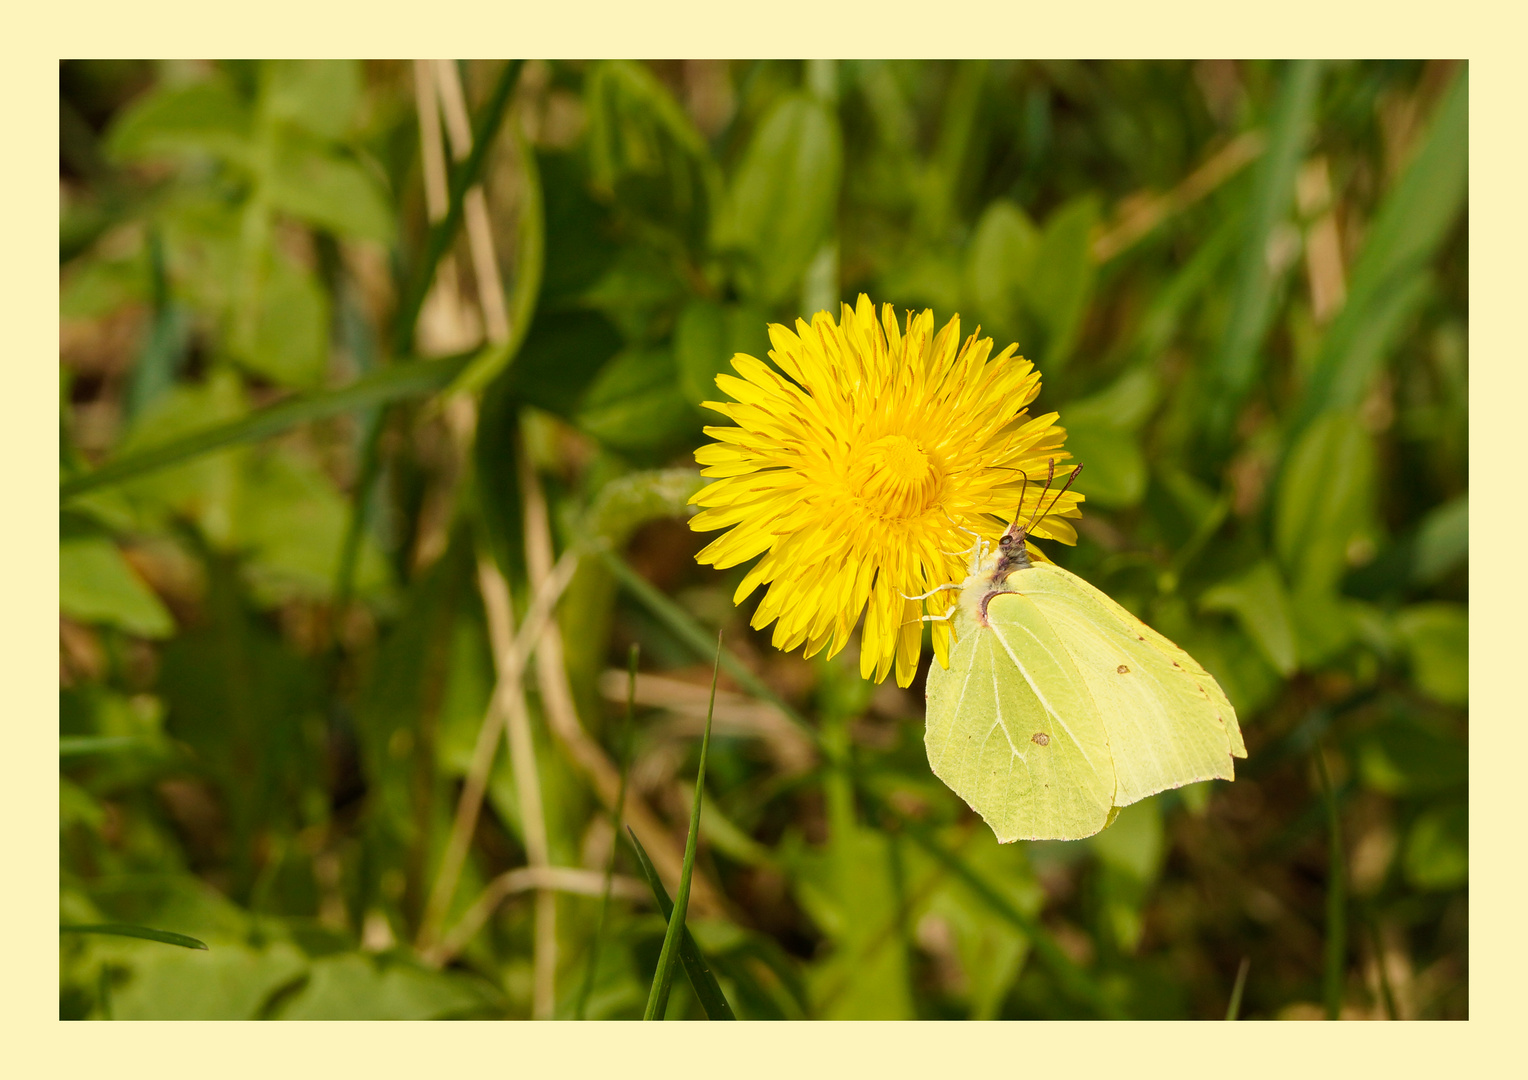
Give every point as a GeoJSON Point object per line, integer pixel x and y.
{"type": "Point", "coordinates": [657, 998]}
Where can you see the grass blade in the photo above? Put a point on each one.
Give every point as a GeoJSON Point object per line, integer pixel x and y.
{"type": "Point", "coordinates": [695, 966]}
{"type": "Point", "coordinates": [392, 384]}
{"type": "Point", "coordinates": [615, 836]}
{"type": "Point", "coordinates": [1236, 366]}
{"type": "Point", "coordinates": [147, 933]}
{"type": "Point", "coordinates": [1336, 897]}
{"type": "Point", "coordinates": [657, 998]}
{"type": "Point", "coordinates": [1389, 278]}
{"type": "Point", "coordinates": [1233, 1010]}
{"type": "Point", "coordinates": [84, 745]}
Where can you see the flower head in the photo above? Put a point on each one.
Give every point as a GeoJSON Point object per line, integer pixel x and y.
{"type": "Point", "coordinates": [862, 472]}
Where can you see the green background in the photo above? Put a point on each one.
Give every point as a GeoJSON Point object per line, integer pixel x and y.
{"type": "Point", "coordinates": [1245, 284]}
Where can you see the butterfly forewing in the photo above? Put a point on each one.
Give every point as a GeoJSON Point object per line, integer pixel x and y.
{"type": "Point", "coordinates": [1013, 730]}
{"type": "Point", "coordinates": [1167, 720]}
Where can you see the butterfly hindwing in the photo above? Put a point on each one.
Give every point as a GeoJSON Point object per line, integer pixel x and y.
{"type": "Point", "coordinates": [1168, 721]}
{"type": "Point", "coordinates": [1012, 728]}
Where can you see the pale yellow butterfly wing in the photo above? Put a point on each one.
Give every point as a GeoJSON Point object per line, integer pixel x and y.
{"type": "Point", "coordinates": [1167, 720]}
{"type": "Point", "coordinates": [1013, 729]}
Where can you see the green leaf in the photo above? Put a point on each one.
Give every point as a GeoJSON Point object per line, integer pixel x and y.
{"type": "Point", "coordinates": [1325, 501]}
{"type": "Point", "coordinates": [289, 522]}
{"type": "Point", "coordinates": [1260, 603]}
{"type": "Point", "coordinates": [635, 404]}
{"type": "Point", "coordinates": [1437, 852]}
{"type": "Point", "coordinates": [707, 336]}
{"type": "Point", "coordinates": [645, 152]}
{"type": "Point", "coordinates": [707, 991]}
{"type": "Point", "coordinates": [1402, 758]}
{"type": "Point", "coordinates": [1239, 358]}
{"type": "Point", "coordinates": [999, 268]}
{"type": "Point", "coordinates": [657, 999]}
{"type": "Point", "coordinates": [1443, 541]}
{"type": "Point", "coordinates": [351, 986]}
{"type": "Point", "coordinates": [320, 96]}
{"type": "Point", "coordinates": [147, 933]}
{"type": "Point", "coordinates": [1389, 278]}
{"type": "Point", "coordinates": [1061, 282]}
{"type": "Point", "coordinates": [1437, 638]}
{"type": "Point", "coordinates": [1126, 403]}
{"type": "Point", "coordinates": [784, 196]}
{"type": "Point", "coordinates": [1135, 843]}
{"type": "Point", "coordinates": [403, 380]}
{"type": "Point", "coordinates": [204, 118]}
{"type": "Point", "coordinates": [1114, 473]}
{"type": "Point", "coordinates": [233, 982]}
{"type": "Point", "coordinates": [96, 585]}
{"type": "Point", "coordinates": [309, 182]}
{"type": "Point", "coordinates": [288, 338]}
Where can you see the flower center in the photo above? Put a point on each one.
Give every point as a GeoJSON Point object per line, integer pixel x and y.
{"type": "Point", "coordinates": [896, 477]}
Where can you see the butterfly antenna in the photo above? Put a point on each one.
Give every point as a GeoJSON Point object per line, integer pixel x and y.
{"type": "Point", "coordinates": [1064, 486]}
{"type": "Point", "coordinates": [1049, 476]}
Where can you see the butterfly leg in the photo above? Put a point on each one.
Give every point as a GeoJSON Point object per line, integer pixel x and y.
{"type": "Point", "coordinates": [931, 592]}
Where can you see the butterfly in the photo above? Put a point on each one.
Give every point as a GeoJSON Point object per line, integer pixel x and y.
{"type": "Point", "coordinates": [1059, 707]}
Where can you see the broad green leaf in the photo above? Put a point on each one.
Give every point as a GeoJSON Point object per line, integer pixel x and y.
{"type": "Point", "coordinates": [94, 287]}
{"type": "Point", "coordinates": [1443, 540]}
{"type": "Point", "coordinates": [1239, 359]}
{"type": "Point", "coordinates": [289, 525]}
{"type": "Point", "coordinates": [999, 268]}
{"type": "Point", "coordinates": [784, 196]}
{"type": "Point", "coordinates": [635, 404]}
{"type": "Point", "coordinates": [289, 339]}
{"type": "Point", "coordinates": [321, 96]}
{"type": "Point", "coordinates": [646, 154]}
{"type": "Point", "coordinates": [1061, 281]}
{"type": "Point", "coordinates": [232, 982]}
{"type": "Point", "coordinates": [1135, 843]}
{"type": "Point", "coordinates": [1126, 403]}
{"type": "Point", "coordinates": [1260, 603]}
{"type": "Point", "coordinates": [1437, 640]}
{"type": "Point", "coordinates": [331, 192]}
{"type": "Point", "coordinates": [1402, 758]}
{"type": "Point", "coordinates": [96, 585]}
{"type": "Point", "coordinates": [1437, 852]}
{"type": "Point", "coordinates": [351, 986]}
{"type": "Point", "coordinates": [707, 336]}
{"type": "Point", "coordinates": [204, 118]}
{"type": "Point", "coordinates": [1325, 501]}
{"type": "Point", "coordinates": [1114, 469]}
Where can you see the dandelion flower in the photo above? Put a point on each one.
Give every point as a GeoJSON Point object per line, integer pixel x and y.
{"type": "Point", "coordinates": [861, 473]}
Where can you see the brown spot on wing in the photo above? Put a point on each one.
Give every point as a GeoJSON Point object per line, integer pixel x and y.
{"type": "Point", "coordinates": [1123, 670]}
{"type": "Point", "coordinates": [1039, 738]}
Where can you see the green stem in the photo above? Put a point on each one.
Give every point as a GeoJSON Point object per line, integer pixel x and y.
{"type": "Point", "coordinates": [657, 998]}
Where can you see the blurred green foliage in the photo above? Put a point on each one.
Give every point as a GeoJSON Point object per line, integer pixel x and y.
{"type": "Point", "coordinates": [1244, 283]}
